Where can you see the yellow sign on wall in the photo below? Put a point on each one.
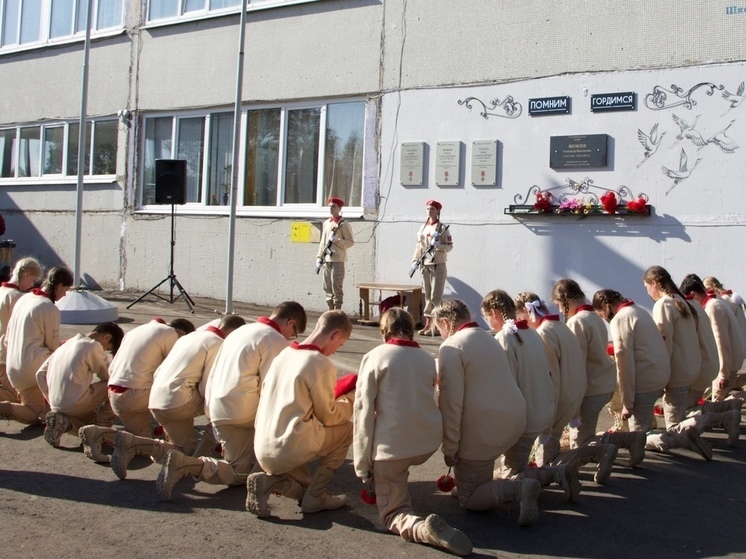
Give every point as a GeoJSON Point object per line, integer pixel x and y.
{"type": "Point", "coordinates": [300, 231]}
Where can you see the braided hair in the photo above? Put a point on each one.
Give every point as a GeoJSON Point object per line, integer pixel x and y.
{"type": "Point", "coordinates": [564, 291]}
{"type": "Point", "coordinates": [59, 275]}
{"type": "Point", "coordinates": [659, 275]}
{"type": "Point", "coordinates": [607, 297]}
{"type": "Point", "coordinates": [498, 300]}
{"type": "Point", "coordinates": [455, 312]}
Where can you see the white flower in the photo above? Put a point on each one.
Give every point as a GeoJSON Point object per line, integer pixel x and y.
{"type": "Point", "coordinates": [509, 326]}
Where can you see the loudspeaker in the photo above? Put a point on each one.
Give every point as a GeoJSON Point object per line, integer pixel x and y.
{"type": "Point", "coordinates": [170, 181]}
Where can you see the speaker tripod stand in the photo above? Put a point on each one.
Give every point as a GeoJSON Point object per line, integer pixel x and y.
{"type": "Point", "coordinates": [170, 278]}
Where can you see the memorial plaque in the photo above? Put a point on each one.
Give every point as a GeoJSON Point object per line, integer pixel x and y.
{"type": "Point", "coordinates": [577, 152]}
{"type": "Point", "coordinates": [549, 106]}
{"type": "Point", "coordinates": [447, 163]}
{"type": "Point", "coordinates": [484, 163]}
{"type": "Point", "coordinates": [607, 102]}
{"type": "Point", "coordinates": [412, 163]}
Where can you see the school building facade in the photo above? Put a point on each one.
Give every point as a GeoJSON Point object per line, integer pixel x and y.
{"type": "Point", "coordinates": [385, 103]}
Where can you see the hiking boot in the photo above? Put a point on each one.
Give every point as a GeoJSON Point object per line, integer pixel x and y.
{"type": "Point", "coordinates": [176, 467]}
{"type": "Point", "coordinates": [93, 437]}
{"type": "Point", "coordinates": [436, 532]}
{"type": "Point", "coordinates": [57, 425]}
{"type": "Point", "coordinates": [259, 487]}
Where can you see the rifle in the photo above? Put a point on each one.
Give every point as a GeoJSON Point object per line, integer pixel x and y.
{"type": "Point", "coordinates": [428, 252]}
{"type": "Point", "coordinates": [328, 251]}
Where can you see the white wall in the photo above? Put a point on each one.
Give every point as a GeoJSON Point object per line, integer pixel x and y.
{"type": "Point", "coordinates": [697, 227]}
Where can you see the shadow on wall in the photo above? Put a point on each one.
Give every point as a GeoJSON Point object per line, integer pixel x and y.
{"type": "Point", "coordinates": [457, 289]}
{"type": "Point", "coordinates": [28, 239]}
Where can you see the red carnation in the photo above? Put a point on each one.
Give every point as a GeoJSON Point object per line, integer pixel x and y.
{"type": "Point", "coordinates": [446, 482]}
{"type": "Point", "coordinates": [543, 202]}
{"type": "Point", "coordinates": [638, 206]}
{"type": "Point", "coordinates": [610, 349]}
{"type": "Point", "coordinates": [368, 496]}
{"type": "Point", "coordinates": [609, 202]}
{"type": "Point", "coordinates": [658, 410]}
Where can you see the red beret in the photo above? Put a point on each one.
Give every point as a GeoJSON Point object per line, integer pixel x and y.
{"type": "Point", "coordinates": [345, 384]}
{"type": "Point", "coordinates": [435, 204]}
{"type": "Point", "coordinates": [334, 200]}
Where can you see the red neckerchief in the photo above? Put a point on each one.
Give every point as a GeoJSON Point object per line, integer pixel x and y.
{"type": "Point", "coordinates": [159, 319]}
{"type": "Point", "coordinates": [549, 317]}
{"type": "Point", "coordinates": [11, 285]}
{"type": "Point", "coordinates": [402, 342]}
{"type": "Point", "coordinates": [268, 322]}
{"type": "Point", "coordinates": [336, 219]}
{"type": "Point", "coordinates": [625, 304]}
{"type": "Point", "coordinates": [41, 293]}
{"type": "Point", "coordinates": [521, 324]}
{"type": "Point", "coordinates": [689, 297]}
{"type": "Point", "coordinates": [728, 292]}
{"type": "Point", "coordinates": [217, 331]}
{"type": "Point", "coordinates": [431, 222]}
{"type": "Point", "coordinates": [708, 298]}
{"type": "Point", "coordinates": [311, 347]}
{"type": "Point", "coordinates": [581, 308]}
{"type": "Point", "coordinates": [711, 292]}
{"type": "Point", "coordinates": [468, 325]}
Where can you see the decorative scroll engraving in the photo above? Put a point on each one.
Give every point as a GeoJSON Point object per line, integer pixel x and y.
{"type": "Point", "coordinates": [658, 99]}
{"type": "Point", "coordinates": [510, 106]}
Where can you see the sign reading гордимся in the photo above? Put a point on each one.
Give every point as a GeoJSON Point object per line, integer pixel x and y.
{"type": "Point", "coordinates": [577, 152]}
{"type": "Point", "coordinates": [606, 102]}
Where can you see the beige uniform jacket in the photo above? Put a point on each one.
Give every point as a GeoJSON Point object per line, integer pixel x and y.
{"type": "Point", "coordinates": [424, 239]}
{"type": "Point", "coordinates": [342, 240]}
{"type": "Point", "coordinates": [297, 403]}
{"type": "Point", "coordinates": [143, 349]}
{"type": "Point", "coordinates": [395, 415]}
{"type": "Point", "coordinates": [727, 336]}
{"type": "Point", "coordinates": [8, 298]}
{"type": "Point", "coordinates": [590, 330]}
{"type": "Point", "coordinates": [708, 350]}
{"type": "Point", "coordinates": [682, 341]}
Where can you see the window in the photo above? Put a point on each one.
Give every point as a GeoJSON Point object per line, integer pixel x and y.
{"type": "Point", "coordinates": [191, 9]}
{"type": "Point", "coordinates": [293, 157]}
{"type": "Point", "coordinates": [52, 149]}
{"type": "Point", "coordinates": [28, 22]}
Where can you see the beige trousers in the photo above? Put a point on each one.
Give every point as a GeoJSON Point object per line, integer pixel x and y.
{"type": "Point", "coordinates": [433, 285]}
{"type": "Point", "coordinates": [178, 423]}
{"type": "Point", "coordinates": [337, 441]}
{"type": "Point", "coordinates": [475, 484]}
{"type": "Point", "coordinates": [516, 457]}
{"type": "Point", "coordinates": [7, 392]}
{"type": "Point", "coordinates": [238, 456]}
{"type": "Point", "coordinates": [642, 417]}
{"type": "Point", "coordinates": [587, 419]}
{"type": "Point", "coordinates": [675, 402]}
{"type": "Point", "coordinates": [32, 407]}
{"type": "Point", "coordinates": [131, 407]}
{"type": "Point", "coordinates": [89, 408]}
{"type": "Point", "coordinates": [392, 495]}
{"type": "Point", "coordinates": [334, 277]}
{"type": "Point", "coordinates": [720, 394]}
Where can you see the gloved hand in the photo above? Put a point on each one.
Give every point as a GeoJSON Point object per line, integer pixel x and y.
{"type": "Point", "coordinates": [319, 263]}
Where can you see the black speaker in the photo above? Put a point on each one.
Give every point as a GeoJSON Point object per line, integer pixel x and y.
{"type": "Point", "coordinates": [170, 181]}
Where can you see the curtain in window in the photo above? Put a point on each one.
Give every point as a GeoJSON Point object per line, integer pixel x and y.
{"type": "Point", "coordinates": [7, 153]}
{"type": "Point", "coordinates": [220, 163]}
{"type": "Point", "coordinates": [262, 158]}
{"type": "Point", "coordinates": [53, 143]}
{"type": "Point", "coordinates": [109, 14]}
{"type": "Point", "coordinates": [105, 148]}
{"type": "Point", "coordinates": [301, 162]}
{"type": "Point", "coordinates": [190, 146]}
{"type": "Point", "coordinates": [157, 146]}
{"type": "Point", "coordinates": [29, 152]}
{"type": "Point", "coordinates": [72, 149]}
{"type": "Point", "coordinates": [343, 165]}
{"type": "Point", "coordinates": [30, 21]}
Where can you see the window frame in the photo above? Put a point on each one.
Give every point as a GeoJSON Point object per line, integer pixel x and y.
{"type": "Point", "coordinates": [207, 13]}
{"type": "Point", "coordinates": [281, 209]}
{"type": "Point", "coordinates": [63, 177]}
{"type": "Point", "coordinates": [45, 27]}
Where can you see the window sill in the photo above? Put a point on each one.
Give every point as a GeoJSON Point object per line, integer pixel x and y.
{"type": "Point", "coordinates": [79, 38]}
{"type": "Point", "coordinates": [283, 213]}
{"type": "Point", "coordinates": [57, 181]}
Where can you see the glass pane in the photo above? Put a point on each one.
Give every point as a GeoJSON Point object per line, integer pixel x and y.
{"type": "Point", "coordinates": [10, 22]}
{"type": "Point", "coordinates": [8, 153]}
{"type": "Point", "coordinates": [262, 156]}
{"type": "Point", "coordinates": [302, 158]}
{"type": "Point", "coordinates": [160, 9]}
{"type": "Point", "coordinates": [109, 14]}
{"type": "Point", "coordinates": [190, 147]}
{"type": "Point", "coordinates": [157, 146]}
{"type": "Point", "coordinates": [105, 148]}
{"type": "Point", "coordinates": [193, 5]}
{"type": "Point", "coordinates": [72, 149]}
{"type": "Point", "coordinates": [30, 21]}
{"type": "Point", "coordinates": [30, 152]}
{"type": "Point", "coordinates": [220, 165]}
{"type": "Point", "coordinates": [82, 15]}
{"type": "Point", "coordinates": [343, 168]}
{"type": "Point", "coordinates": [62, 18]}
{"type": "Point", "coordinates": [221, 4]}
{"type": "Point", "coordinates": [53, 143]}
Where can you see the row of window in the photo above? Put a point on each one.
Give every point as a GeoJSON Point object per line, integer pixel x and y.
{"type": "Point", "coordinates": [289, 155]}
{"type": "Point", "coordinates": [38, 22]}
{"type": "Point", "coordinates": [52, 150]}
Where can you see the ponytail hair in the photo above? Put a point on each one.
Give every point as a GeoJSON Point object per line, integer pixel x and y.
{"type": "Point", "coordinates": [564, 291]}
{"type": "Point", "coordinates": [659, 275]}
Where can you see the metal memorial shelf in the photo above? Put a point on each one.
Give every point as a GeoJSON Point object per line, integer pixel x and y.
{"type": "Point", "coordinates": [580, 199]}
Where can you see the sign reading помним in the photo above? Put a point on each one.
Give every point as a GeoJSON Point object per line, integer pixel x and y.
{"type": "Point", "coordinates": [549, 106]}
{"type": "Point", "coordinates": [605, 102]}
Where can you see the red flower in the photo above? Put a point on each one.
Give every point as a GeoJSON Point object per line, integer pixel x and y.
{"type": "Point", "coordinates": [532, 464]}
{"type": "Point", "coordinates": [701, 402]}
{"type": "Point", "coordinates": [638, 206]}
{"type": "Point", "coordinates": [368, 496]}
{"type": "Point", "coordinates": [543, 202]}
{"type": "Point", "coordinates": [658, 410]}
{"type": "Point", "coordinates": [446, 482]}
{"type": "Point", "coordinates": [610, 349]}
{"type": "Point", "coordinates": [609, 202]}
